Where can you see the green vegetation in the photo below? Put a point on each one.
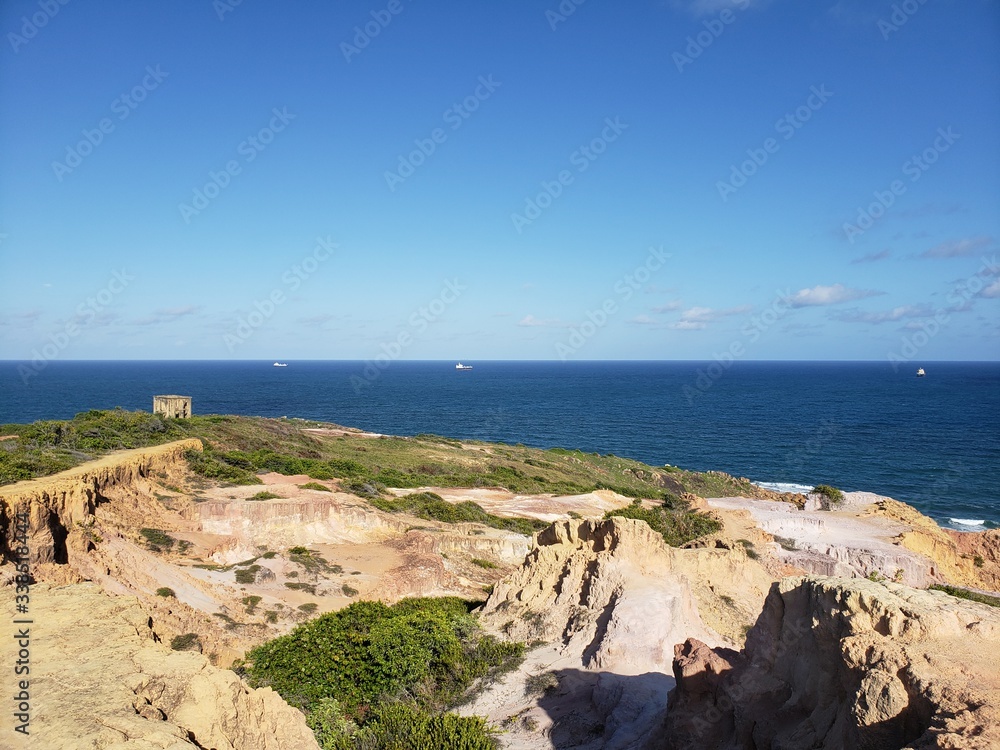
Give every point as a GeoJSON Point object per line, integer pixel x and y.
{"type": "Point", "coordinates": [308, 608]}
{"type": "Point", "coordinates": [375, 676]}
{"type": "Point", "coordinates": [315, 486]}
{"type": "Point", "coordinates": [483, 563]}
{"type": "Point", "coordinates": [313, 562]}
{"type": "Point", "coordinates": [432, 507]}
{"type": "Point", "coordinates": [166, 592]}
{"type": "Point", "coordinates": [540, 684]}
{"type": "Point", "coordinates": [309, 588]}
{"type": "Point", "coordinates": [271, 616]}
{"type": "Point", "coordinates": [978, 561]}
{"type": "Point", "coordinates": [786, 543]}
{"type": "Point", "coordinates": [157, 540]}
{"type": "Point", "coordinates": [251, 602]}
{"type": "Point", "coordinates": [676, 526]}
{"type": "Point", "coordinates": [264, 495]}
{"type": "Point", "coordinates": [247, 575]}
{"type": "Point", "coordinates": [348, 590]}
{"type": "Point", "coordinates": [972, 596]}
{"type": "Point", "coordinates": [832, 494]}
{"type": "Point", "coordinates": [185, 642]}
{"type": "Point", "coordinates": [236, 448]}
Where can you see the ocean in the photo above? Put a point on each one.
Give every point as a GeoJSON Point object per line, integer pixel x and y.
{"type": "Point", "coordinates": [931, 441]}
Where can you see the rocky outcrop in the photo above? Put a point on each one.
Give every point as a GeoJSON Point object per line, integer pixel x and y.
{"type": "Point", "coordinates": [835, 663]}
{"type": "Point", "coordinates": [101, 678]}
{"type": "Point", "coordinates": [57, 506]}
{"type": "Point", "coordinates": [611, 600]}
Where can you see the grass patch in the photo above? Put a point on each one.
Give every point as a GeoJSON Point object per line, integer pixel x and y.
{"type": "Point", "coordinates": [251, 602]}
{"type": "Point", "coordinates": [166, 592]}
{"type": "Point", "coordinates": [483, 563]}
{"type": "Point", "coordinates": [972, 596]}
{"type": "Point", "coordinates": [308, 608]}
{"type": "Point", "coordinates": [315, 486]}
{"type": "Point", "coordinates": [265, 495]}
{"type": "Point", "coordinates": [157, 540]}
{"type": "Point", "coordinates": [185, 642]}
{"type": "Point", "coordinates": [247, 575]}
{"type": "Point", "coordinates": [348, 590]}
{"type": "Point", "coordinates": [432, 507]}
{"type": "Point", "coordinates": [309, 588]}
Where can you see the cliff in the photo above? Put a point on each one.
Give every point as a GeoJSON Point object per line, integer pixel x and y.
{"type": "Point", "coordinates": [101, 678]}
{"type": "Point", "coordinates": [835, 663]}
{"type": "Point", "coordinates": [57, 505]}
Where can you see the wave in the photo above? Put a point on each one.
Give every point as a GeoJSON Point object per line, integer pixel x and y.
{"type": "Point", "coordinates": [967, 521]}
{"type": "Point", "coordinates": [802, 489]}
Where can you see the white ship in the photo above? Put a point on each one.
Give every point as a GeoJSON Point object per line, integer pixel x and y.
{"type": "Point", "coordinates": [460, 366]}
{"type": "Point", "coordinates": [920, 372]}
{"type": "Point", "coordinates": [279, 364]}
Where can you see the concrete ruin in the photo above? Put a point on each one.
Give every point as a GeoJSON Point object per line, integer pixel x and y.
{"type": "Point", "coordinates": [172, 407]}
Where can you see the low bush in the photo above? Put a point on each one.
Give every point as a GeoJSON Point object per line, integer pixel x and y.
{"type": "Point", "coordinates": [972, 596]}
{"type": "Point", "coordinates": [483, 563]}
{"type": "Point", "coordinates": [265, 495]}
{"type": "Point", "coordinates": [164, 591]}
{"type": "Point", "coordinates": [157, 539]}
{"type": "Point", "coordinates": [432, 507]}
{"type": "Point", "coordinates": [375, 676]}
{"type": "Point", "coordinates": [832, 494]}
{"type": "Point", "coordinates": [677, 527]}
{"type": "Point", "coordinates": [315, 486]}
{"type": "Point", "coordinates": [185, 642]}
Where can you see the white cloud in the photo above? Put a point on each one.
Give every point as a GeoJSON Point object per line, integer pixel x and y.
{"type": "Point", "coordinates": [992, 291]}
{"type": "Point", "coordinates": [668, 307]}
{"type": "Point", "coordinates": [829, 295]}
{"type": "Point", "coordinates": [531, 321]}
{"type": "Point", "coordinates": [688, 325]}
{"type": "Point", "coordinates": [957, 248]}
{"type": "Point", "coordinates": [707, 314]}
{"type": "Point", "coordinates": [854, 315]}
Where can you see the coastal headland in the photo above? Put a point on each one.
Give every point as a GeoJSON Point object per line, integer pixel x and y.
{"type": "Point", "coordinates": [171, 569]}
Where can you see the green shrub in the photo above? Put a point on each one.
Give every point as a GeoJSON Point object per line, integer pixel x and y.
{"type": "Point", "coordinates": [972, 596]}
{"type": "Point", "coordinates": [677, 527]}
{"type": "Point", "coordinates": [428, 649]}
{"type": "Point", "coordinates": [349, 590]}
{"type": "Point", "coordinates": [166, 592]}
{"type": "Point", "coordinates": [978, 561]}
{"type": "Point", "coordinates": [432, 507]}
{"type": "Point", "coordinates": [265, 495]}
{"type": "Point", "coordinates": [269, 555]}
{"type": "Point", "coordinates": [832, 494]}
{"type": "Point", "coordinates": [483, 563]}
{"type": "Point", "coordinates": [540, 684]}
{"type": "Point", "coordinates": [251, 603]}
{"type": "Point", "coordinates": [184, 642]}
{"type": "Point", "coordinates": [271, 616]}
{"type": "Point", "coordinates": [315, 486]}
{"type": "Point", "coordinates": [309, 588]}
{"type": "Point", "coordinates": [247, 575]}
{"type": "Point", "coordinates": [308, 607]}
{"type": "Point", "coordinates": [157, 539]}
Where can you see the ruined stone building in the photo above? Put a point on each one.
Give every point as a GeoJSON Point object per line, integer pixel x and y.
{"type": "Point", "coordinates": [172, 406]}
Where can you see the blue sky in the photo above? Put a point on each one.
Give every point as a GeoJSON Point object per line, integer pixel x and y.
{"type": "Point", "coordinates": [650, 180]}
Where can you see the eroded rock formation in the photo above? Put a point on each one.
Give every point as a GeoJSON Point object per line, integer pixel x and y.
{"type": "Point", "coordinates": [101, 678]}
{"type": "Point", "coordinates": [838, 663]}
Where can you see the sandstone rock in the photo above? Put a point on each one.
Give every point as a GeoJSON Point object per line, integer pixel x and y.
{"type": "Point", "coordinates": [58, 506]}
{"type": "Point", "coordinates": [100, 678]}
{"type": "Point", "coordinates": [837, 663]}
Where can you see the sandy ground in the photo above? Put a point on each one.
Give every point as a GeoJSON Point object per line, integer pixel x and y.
{"type": "Point", "coordinates": [543, 507]}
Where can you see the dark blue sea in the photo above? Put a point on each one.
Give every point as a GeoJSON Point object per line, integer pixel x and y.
{"type": "Point", "coordinates": [931, 442]}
